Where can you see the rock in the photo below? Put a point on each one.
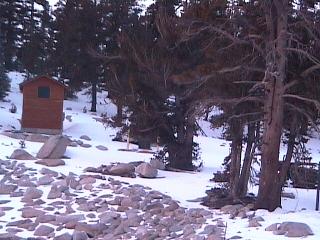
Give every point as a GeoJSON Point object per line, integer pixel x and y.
{"type": "Point", "coordinates": [295, 229]}
{"type": "Point", "coordinates": [43, 230]}
{"type": "Point", "coordinates": [63, 219]}
{"type": "Point", "coordinates": [231, 209]}
{"type": "Point", "coordinates": [54, 147]}
{"type": "Point", "coordinates": [146, 170]}
{"type": "Point", "coordinates": [20, 154]}
{"type": "Point", "coordinates": [272, 227]}
{"type": "Point", "coordinates": [254, 223]}
{"type": "Point", "coordinates": [79, 236]}
{"type": "Point", "coordinates": [51, 162]}
{"type": "Point", "coordinates": [85, 137]}
{"type": "Point", "coordinates": [7, 188]}
{"type": "Point", "coordinates": [47, 171]}
{"type": "Point", "coordinates": [32, 193]}
{"type": "Point", "coordinates": [86, 145]}
{"type": "Point", "coordinates": [87, 180]}
{"type": "Point", "coordinates": [54, 193]}
{"type": "Point", "coordinates": [45, 180]}
{"type": "Point", "coordinates": [69, 118]}
{"type": "Point", "coordinates": [122, 169]}
{"type": "Point", "coordinates": [102, 148]}
{"type": "Point", "coordinates": [65, 236]}
{"type": "Point", "coordinates": [26, 183]}
{"type": "Point", "coordinates": [210, 229]}
{"type": "Point", "coordinates": [31, 212]}
{"type": "Point", "coordinates": [45, 218]}
{"type": "Point", "coordinates": [91, 229]}
{"type": "Point", "coordinates": [156, 163]}
{"type": "Point", "coordinates": [235, 237]}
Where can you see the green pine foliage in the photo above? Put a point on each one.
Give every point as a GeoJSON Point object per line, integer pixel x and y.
{"type": "Point", "coordinates": [4, 83]}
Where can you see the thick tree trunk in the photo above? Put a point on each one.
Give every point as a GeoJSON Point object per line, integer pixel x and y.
{"type": "Point", "coordinates": [180, 151]}
{"type": "Point", "coordinates": [269, 195]}
{"type": "Point", "coordinates": [236, 150]}
{"type": "Point", "coordinates": [276, 12]}
{"type": "Point", "coordinates": [93, 96]}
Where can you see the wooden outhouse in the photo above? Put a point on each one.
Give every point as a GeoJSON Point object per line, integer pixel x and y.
{"type": "Point", "coordinates": [42, 110]}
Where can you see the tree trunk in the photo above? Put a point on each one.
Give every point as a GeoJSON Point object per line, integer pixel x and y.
{"type": "Point", "coordinates": [94, 96]}
{"type": "Point", "coordinates": [269, 195]}
{"type": "Point", "coordinates": [119, 113]}
{"type": "Point", "coordinates": [276, 12]}
{"type": "Point", "coordinates": [290, 147]}
{"type": "Point", "coordinates": [247, 160]}
{"type": "Point", "coordinates": [236, 150]}
{"type": "Point", "coordinates": [180, 151]}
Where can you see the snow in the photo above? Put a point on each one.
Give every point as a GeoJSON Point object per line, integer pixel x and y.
{"type": "Point", "coordinates": [181, 186]}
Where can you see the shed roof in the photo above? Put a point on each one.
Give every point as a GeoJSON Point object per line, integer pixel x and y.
{"type": "Point", "coordinates": [28, 81]}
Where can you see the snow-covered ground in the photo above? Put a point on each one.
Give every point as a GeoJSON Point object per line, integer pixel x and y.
{"type": "Point", "coordinates": [180, 186]}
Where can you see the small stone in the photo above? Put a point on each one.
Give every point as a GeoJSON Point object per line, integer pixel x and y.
{"type": "Point", "coordinates": [7, 188]}
{"type": "Point", "coordinates": [65, 236]}
{"type": "Point", "coordinates": [102, 148]}
{"type": "Point", "coordinates": [86, 145]}
{"type": "Point", "coordinates": [32, 193]}
{"type": "Point", "coordinates": [254, 223]}
{"type": "Point", "coordinates": [31, 212]}
{"type": "Point", "coordinates": [79, 236]}
{"type": "Point", "coordinates": [43, 230]}
{"type": "Point", "coordinates": [54, 193]}
{"type": "Point", "coordinates": [85, 137]}
{"type": "Point", "coordinates": [45, 180]}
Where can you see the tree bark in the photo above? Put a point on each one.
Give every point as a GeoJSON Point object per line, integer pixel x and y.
{"type": "Point", "coordinates": [180, 151]}
{"type": "Point", "coordinates": [94, 96]}
{"type": "Point", "coordinates": [236, 150]}
{"type": "Point", "coordinates": [269, 195]}
{"type": "Point", "coordinates": [290, 147]}
{"type": "Point", "coordinates": [247, 160]}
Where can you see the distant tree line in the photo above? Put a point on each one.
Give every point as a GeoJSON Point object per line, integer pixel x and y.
{"type": "Point", "coordinates": [257, 61]}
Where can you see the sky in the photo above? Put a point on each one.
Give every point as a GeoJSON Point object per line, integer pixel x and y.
{"type": "Point", "coordinates": [145, 2]}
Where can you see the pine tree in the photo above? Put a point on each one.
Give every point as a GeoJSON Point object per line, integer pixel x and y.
{"type": "Point", "coordinates": [4, 80]}
{"type": "Point", "coordinates": [10, 25]}
{"type": "Point", "coordinates": [36, 45]}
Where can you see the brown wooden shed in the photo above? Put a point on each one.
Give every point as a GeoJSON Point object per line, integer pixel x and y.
{"type": "Point", "coordinates": [42, 110]}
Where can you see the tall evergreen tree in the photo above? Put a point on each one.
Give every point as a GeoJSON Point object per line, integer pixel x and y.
{"type": "Point", "coordinates": [36, 43]}
{"type": "Point", "coordinates": [11, 13]}
{"type": "Point", "coordinates": [4, 80]}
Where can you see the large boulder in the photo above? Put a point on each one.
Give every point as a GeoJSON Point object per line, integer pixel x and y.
{"type": "Point", "coordinates": [54, 147]}
{"type": "Point", "coordinates": [146, 170]}
{"type": "Point", "coordinates": [291, 229]}
{"type": "Point", "coordinates": [122, 169]}
{"type": "Point", "coordinates": [20, 154]}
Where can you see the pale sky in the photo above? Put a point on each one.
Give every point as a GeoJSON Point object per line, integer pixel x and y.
{"type": "Point", "coordinates": [145, 2]}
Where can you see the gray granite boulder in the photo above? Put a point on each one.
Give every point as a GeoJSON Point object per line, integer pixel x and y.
{"type": "Point", "coordinates": [146, 170]}
{"type": "Point", "coordinates": [54, 147]}
{"type": "Point", "coordinates": [21, 154]}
